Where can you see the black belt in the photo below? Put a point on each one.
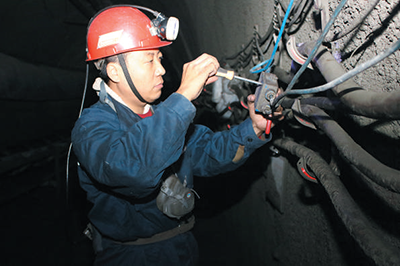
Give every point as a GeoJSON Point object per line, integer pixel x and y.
{"type": "Point", "coordinates": [182, 228]}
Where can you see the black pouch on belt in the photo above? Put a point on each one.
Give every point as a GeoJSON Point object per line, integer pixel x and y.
{"type": "Point", "coordinates": [94, 235]}
{"type": "Point", "coordinates": [175, 199]}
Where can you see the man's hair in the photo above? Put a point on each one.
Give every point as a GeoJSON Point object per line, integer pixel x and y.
{"type": "Point", "coordinates": [101, 65]}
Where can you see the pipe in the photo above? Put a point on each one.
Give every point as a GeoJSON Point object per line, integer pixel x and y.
{"type": "Point", "coordinates": [359, 227]}
{"type": "Point", "coordinates": [362, 102]}
{"type": "Point", "coordinates": [17, 161]}
{"type": "Point", "coordinates": [317, 44]}
{"type": "Point", "coordinates": [379, 173]}
{"type": "Point", "coordinates": [331, 104]}
{"type": "Point", "coordinates": [386, 198]}
{"type": "Point", "coordinates": [20, 81]}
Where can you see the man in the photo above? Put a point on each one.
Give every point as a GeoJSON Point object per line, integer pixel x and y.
{"type": "Point", "coordinates": [131, 152]}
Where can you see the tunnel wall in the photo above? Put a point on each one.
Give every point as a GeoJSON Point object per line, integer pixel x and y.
{"type": "Point", "coordinates": [297, 224]}
{"type": "Point", "coordinates": [271, 216]}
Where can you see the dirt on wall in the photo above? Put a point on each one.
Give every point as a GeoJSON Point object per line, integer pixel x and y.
{"type": "Point", "coordinates": [362, 30]}
{"type": "Point", "coordinates": [372, 26]}
{"type": "Point", "coordinates": [368, 28]}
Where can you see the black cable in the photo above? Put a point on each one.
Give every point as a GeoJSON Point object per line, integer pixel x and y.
{"type": "Point", "coordinates": [234, 56]}
{"type": "Point", "coordinates": [259, 49]}
{"type": "Point", "coordinates": [70, 145]}
{"type": "Point", "coordinates": [357, 25]}
{"type": "Point", "coordinates": [359, 227]}
{"type": "Point", "coordinates": [375, 170]}
{"type": "Point", "coordinates": [267, 35]}
{"type": "Point", "coordinates": [367, 103]}
{"type": "Point", "coordinates": [283, 6]}
{"type": "Point", "coordinates": [269, 42]}
{"type": "Point", "coordinates": [372, 37]}
{"type": "Point", "coordinates": [261, 41]}
{"type": "Point", "coordinates": [298, 11]}
{"type": "Point", "coordinates": [301, 19]}
{"type": "Point", "coordinates": [242, 63]}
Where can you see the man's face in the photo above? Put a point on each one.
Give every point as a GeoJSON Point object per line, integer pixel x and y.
{"type": "Point", "coordinates": [146, 72]}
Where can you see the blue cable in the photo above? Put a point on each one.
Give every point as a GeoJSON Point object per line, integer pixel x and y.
{"type": "Point", "coordinates": [317, 45]}
{"type": "Point", "coordinates": [269, 62]}
{"type": "Point", "coordinates": [344, 77]}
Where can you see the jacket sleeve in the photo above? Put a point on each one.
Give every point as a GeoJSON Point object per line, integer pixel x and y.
{"type": "Point", "coordinates": [131, 161]}
{"type": "Point", "coordinates": [214, 153]}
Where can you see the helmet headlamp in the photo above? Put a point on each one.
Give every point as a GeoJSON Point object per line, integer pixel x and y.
{"type": "Point", "coordinates": [166, 28]}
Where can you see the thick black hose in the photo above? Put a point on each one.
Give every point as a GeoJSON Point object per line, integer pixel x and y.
{"type": "Point", "coordinates": [359, 227]}
{"type": "Point", "coordinates": [332, 104]}
{"type": "Point", "coordinates": [378, 172]}
{"type": "Point", "coordinates": [386, 197]}
{"type": "Point", "coordinates": [366, 103]}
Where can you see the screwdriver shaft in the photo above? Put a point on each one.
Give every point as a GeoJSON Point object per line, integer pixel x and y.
{"type": "Point", "coordinates": [229, 74]}
{"type": "Point", "coordinates": [248, 80]}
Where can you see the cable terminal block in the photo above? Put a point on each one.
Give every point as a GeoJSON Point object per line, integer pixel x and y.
{"type": "Point", "coordinates": [266, 93]}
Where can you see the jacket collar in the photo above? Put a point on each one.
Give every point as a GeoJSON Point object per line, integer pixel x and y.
{"type": "Point", "coordinates": [97, 86]}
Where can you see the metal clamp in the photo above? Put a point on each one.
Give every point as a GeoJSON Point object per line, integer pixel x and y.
{"type": "Point", "coordinates": [266, 93]}
{"type": "Point", "coordinates": [294, 53]}
{"type": "Point", "coordinates": [305, 172]}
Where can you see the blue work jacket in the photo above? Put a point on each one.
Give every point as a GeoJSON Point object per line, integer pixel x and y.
{"type": "Point", "coordinates": [123, 157]}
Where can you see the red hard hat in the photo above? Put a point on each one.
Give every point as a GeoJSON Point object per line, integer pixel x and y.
{"type": "Point", "coordinates": [118, 30]}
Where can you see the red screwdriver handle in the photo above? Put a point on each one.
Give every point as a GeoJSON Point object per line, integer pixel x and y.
{"type": "Point", "coordinates": [268, 127]}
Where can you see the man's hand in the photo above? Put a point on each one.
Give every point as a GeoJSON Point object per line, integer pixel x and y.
{"type": "Point", "coordinates": [259, 121]}
{"type": "Point", "coordinates": [197, 74]}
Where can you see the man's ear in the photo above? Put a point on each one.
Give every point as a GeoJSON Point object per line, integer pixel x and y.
{"type": "Point", "coordinates": [114, 72]}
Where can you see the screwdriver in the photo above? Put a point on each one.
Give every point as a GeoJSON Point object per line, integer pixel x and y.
{"type": "Point", "coordinates": [230, 74]}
